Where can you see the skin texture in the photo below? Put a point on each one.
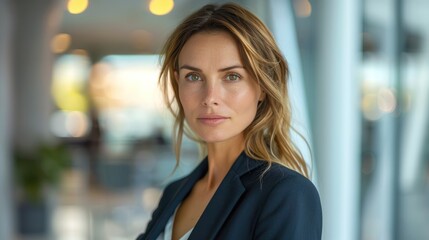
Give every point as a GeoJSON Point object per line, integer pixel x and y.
{"type": "Point", "coordinates": [218, 95]}
{"type": "Point", "coordinates": [220, 99]}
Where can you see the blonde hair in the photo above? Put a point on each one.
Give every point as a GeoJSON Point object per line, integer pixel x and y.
{"type": "Point", "coordinates": [268, 136]}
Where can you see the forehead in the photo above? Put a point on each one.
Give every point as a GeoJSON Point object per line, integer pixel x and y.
{"type": "Point", "coordinates": [213, 45]}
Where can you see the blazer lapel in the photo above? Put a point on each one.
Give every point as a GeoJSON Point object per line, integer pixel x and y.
{"type": "Point", "coordinates": [168, 209]}
{"type": "Point", "coordinates": [224, 200]}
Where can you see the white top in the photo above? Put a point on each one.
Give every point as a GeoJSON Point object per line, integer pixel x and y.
{"type": "Point", "coordinates": [168, 230]}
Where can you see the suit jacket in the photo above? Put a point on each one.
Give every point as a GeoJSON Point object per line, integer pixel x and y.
{"type": "Point", "coordinates": [282, 204]}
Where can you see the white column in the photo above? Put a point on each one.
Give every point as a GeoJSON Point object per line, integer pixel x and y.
{"type": "Point", "coordinates": [6, 220]}
{"type": "Point", "coordinates": [35, 25]}
{"type": "Point", "coordinates": [285, 33]}
{"type": "Point", "coordinates": [381, 202]}
{"type": "Point", "coordinates": [336, 115]}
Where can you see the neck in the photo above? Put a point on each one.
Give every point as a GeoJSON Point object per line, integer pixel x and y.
{"type": "Point", "coordinates": [221, 156]}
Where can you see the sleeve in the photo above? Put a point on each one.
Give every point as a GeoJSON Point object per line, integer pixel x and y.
{"type": "Point", "coordinates": [292, 211]}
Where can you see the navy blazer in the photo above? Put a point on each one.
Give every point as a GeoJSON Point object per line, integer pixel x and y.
{"type": "Point", "coordinates": [282, 204]}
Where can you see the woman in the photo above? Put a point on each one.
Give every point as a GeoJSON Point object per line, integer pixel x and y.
{"type": "Point", "coordinates": [224, 79]}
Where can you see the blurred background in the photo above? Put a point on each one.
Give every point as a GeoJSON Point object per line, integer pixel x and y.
{"type": "Point", "coordinates": [85, 142]}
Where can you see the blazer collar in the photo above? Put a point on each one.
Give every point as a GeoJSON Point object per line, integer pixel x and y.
{"type": "Point", "coordinates": [219, 207]}
{"type": "Point", "coordinates": [181, 192]}
{"type": "Point", "coordinates": [224, 199]}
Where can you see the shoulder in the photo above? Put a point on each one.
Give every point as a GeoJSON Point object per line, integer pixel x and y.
{"type": "Point", "coordinates": [278, 178]}
{"type": "Point", "coordinates": [292, 188]}
{"type": "Point", "coordinates": [281, 187]}
{"type": "Point", "coordinates": [285, 179]}
{"type": "Point", "coordinates": [292, 199]}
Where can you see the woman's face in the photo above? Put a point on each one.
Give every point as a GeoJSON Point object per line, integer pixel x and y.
{"type": "Point", "coordinates": [218, 95]}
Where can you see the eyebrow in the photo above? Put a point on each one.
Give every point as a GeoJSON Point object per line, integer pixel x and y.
{"type": "Point", "coordinates": [220, 70]}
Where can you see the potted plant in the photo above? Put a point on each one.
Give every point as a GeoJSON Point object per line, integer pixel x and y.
{"type": "Point", "coordinates": [35, 172]}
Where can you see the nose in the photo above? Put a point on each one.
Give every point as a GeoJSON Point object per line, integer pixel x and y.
{"type": "Point", "coordinates": [212, 92]}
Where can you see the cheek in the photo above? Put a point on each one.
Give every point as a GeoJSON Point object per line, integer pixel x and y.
{"type": "Point", "coordinates": [182, 99]}
{"type": "Point", "coordinates": [247, 98]}
{"type": "Point", "coordinates": [187, 99]}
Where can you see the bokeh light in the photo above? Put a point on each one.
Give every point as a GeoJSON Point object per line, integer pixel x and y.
{"type": "Point", "coordinates": [142, 39]}
{"type": "Point", "coordinates": [369, 106]}
{"type": "Point", "coordinates": [68, 82]}
{"type": "Point", "coordinates": [80, 52]}
{"type": "Point", "coordinates": [161, 7]}
{"type": "Point", "coordinates": [70, 124]}
{"type": "Point", "coordinates": [150, 198]}
{"type": "Point", "coordinates": [302, 8]}
{"type": "Point", "coordinates": [70, 222]}
{"type": "Point", "coordinates": [77, 6]}
{"type": "Point", "coordinates": [60, 43]}
{"type": "Point", "coordinates": [386, 100]}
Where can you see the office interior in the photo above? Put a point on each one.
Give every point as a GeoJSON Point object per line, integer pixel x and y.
{"type": "Point", "coordinates": [85, 140]}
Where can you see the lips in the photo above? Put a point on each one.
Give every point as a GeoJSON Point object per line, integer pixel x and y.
{"type": "Point", "coordinates": [212, 119]}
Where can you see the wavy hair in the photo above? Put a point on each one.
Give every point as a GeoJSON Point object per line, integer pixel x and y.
{"type": "Point", "coordinates": [268, 136]}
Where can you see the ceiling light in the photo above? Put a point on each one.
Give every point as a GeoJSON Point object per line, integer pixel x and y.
{"type": "Point", "coordinates": [161, 7]}
{"type": "Point", "coordinates": [77, 6]}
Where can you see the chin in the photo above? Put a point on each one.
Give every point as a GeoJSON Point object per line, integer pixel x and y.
{"type": "Point", "coordinates": [218, 139]}
{"type": "Point", "coordinates": [213, 140]}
